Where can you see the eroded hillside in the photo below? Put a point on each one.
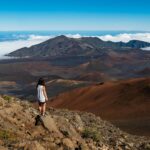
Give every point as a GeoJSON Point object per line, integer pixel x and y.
{"type": "Point", "coordinates": [59, 130]}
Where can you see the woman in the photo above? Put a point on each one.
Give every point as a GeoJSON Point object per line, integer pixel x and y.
{"type": "Point", "coordinates": [41, 96]}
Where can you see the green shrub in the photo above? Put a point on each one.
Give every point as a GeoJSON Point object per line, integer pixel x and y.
{"type": "Point", "coordinates": [4, 134]}
{"type": "Point", "coordinates": [7, 98]}
{"type": "Point", "coordinates": [7, 136]}
{"type": "Point", "coordinates": [91, 133]}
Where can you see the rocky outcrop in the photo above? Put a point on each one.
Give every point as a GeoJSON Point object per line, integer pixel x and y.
{"type": "Point", "coordinates": [21, 127]}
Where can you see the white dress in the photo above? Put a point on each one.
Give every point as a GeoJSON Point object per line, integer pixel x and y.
{"type": "Point", "coordinates": [40, 94]}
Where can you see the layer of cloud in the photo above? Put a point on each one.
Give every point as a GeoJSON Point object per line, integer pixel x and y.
{"type": "Point", "coordinates": [146, 48]}
{"type": "Point", "coordinates": [9, 46]}
{"type": "Point", "coordinates": [76, 36]}
{"type": "Point", "coordinates": [126, 37]}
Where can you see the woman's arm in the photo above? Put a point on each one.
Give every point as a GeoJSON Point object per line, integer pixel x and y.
{"type": "Point", "coordinates": [45, 94]}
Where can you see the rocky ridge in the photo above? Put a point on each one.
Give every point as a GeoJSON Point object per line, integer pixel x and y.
{"type": "Point", "coordinates": [22, 128]}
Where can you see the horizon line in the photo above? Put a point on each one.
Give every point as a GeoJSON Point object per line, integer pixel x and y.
{"type": "Point", "coordinates": [75, 30]}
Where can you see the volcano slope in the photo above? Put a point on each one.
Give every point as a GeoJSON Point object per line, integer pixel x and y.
{"type": "Point", "coordinates": [126, 103]}
{"type": "Point", "coordinates": [59, 130]}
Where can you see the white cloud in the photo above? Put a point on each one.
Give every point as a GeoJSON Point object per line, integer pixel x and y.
{"type": "Point", "coordinates": [33, 37]}
{"type": "Point", "coordinates": [9, 46]}
{"type": "Point", "coordinates": [74, 35]}
{"type": "Point", "coordinates": [126, 37]}
{"type": "Point", "coordinates": [146, 48]}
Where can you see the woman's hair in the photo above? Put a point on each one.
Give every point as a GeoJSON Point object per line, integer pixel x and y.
{"type": "Point", "coordinates": [40, 82]}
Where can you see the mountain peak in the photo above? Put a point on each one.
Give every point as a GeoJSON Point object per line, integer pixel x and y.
{"type": "Point", "coordinates": [61, 37]}
{"type": "Point", "coordinates": [64, 46]}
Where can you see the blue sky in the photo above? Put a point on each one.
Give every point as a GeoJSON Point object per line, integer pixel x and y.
{"type": "Point", "coordinates": [74, 15]}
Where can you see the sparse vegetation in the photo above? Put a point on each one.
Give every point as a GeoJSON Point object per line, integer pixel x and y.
{"type": "Point", "coordinates": [7, 98]}
{"type": "Point", "coordinates": [4, 134]}
{"type": "Point", "coordinates": [91, 133]}
{"type": "Point", "coordinates": [7, 136]}
{"type": "Point", "coordinates": [59, 129]}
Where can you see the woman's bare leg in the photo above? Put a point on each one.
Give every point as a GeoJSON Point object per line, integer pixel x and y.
{"type": "Point", "coordinates": [43, 108]}
{"type": "Point", "coordinates": [40, 109]}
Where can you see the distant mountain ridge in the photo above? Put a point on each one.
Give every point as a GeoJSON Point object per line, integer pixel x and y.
{"type": "Point", "coordinates": [85, 46]}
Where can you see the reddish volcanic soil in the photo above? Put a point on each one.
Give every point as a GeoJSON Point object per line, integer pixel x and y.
{"type": "Point", "coordinates": [126, 103]}
{"type": "Point", "coordinates": [93, 76]}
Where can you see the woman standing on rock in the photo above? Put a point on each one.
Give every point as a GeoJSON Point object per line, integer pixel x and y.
{"type": "Point", "coordinates": [41, 96]}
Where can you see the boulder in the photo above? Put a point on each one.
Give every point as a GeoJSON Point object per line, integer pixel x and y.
{"type": "Point", "coordinates": [78, 123]}
{"type": "Point", "coordinates": [49, 124]}
{"type": "Point", "coordinates": [34, 146]}
{"type": "Point", "coordinates": [67, 128]}
{"type": "Point", "coordinates": [3, 148]}
{"type": "Point", "coordinates": [68, 144]}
